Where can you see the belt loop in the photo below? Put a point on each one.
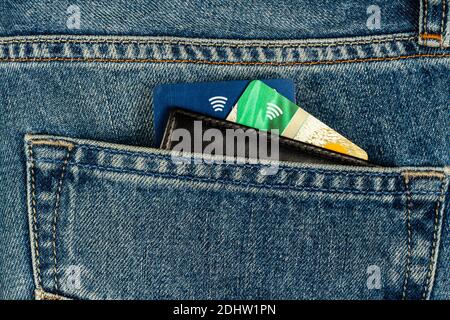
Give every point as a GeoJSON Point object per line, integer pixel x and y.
{"type": "Point", "coordinates": [433, 23]}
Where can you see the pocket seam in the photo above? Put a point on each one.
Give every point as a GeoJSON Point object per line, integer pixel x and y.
{"type": "Point", "coordinates": [285, 168]}
{"type": "Point", "coordinates": [57, 211]}
{"type": "Point", "coordinates": [34, 230]}
{"type": "Point", "coordinates": [143, 154]}
{"type": "Point", "coordinates": [433, 257]}
{"type": "Point", "coordinates": [409, 232]}
{"type": "Point", "coordinates": [206, 180]}
{"type": "Point", "coordinates": [426, 281]}
{"type": "Point", "coordinates": [32, 194]}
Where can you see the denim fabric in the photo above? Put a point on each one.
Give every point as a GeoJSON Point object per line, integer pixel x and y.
{"type": "Point", "coordinates": [84, 192]}
{"type": "Point", "coordinates": [267, 19]}
{"type": "Point", "coordinates": [225, 231]}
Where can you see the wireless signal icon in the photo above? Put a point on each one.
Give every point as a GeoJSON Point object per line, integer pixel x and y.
{"type": "Point", "coordinates": [218, 103]}
{"type": "Point", "coordinates": [273, 111]}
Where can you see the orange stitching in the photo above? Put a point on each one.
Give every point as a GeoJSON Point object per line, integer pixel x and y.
{"type": "Point", "coordinates": [431, 36]}
{"type": "Point", "coordinates": [224, 62]}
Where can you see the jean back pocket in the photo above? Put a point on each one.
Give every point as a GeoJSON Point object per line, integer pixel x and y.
{"type": "Point", "coordinates": [114, 221]}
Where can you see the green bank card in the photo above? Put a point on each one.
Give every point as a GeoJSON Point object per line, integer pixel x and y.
{"type": "Point", "coordinates": [263, 108]}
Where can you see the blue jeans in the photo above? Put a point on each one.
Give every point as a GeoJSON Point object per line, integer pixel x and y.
{"type": "Point", "coordinates": [91, 209]}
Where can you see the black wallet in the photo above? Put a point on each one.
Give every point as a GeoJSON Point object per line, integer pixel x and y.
{"type": "Point", "coordinates": [288, 150]}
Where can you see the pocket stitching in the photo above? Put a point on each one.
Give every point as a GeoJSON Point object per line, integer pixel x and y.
{"type": "Point", "coordinates": [428, 282]}
{"type": "Point", "coordinates": [233, 43]}
{"type": "Point", "coordinates": [56, 212]}
{"type": "Point", "coordinates": [251, 63]}
{"type": "Point", "coordinates": [409, 230]}
{"type": "Point", "coordinates": [285, 168]}
{"type": "Point", "coordinates": [201, 179]}
{"type": "Point", "coordinates": [34, 216]}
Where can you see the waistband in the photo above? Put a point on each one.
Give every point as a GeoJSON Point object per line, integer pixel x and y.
{"type": "Point", "coordinates": [265, 19]}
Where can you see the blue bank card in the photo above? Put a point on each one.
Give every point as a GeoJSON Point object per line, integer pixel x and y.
{"type": "Point", "coordinates": [215, 99]}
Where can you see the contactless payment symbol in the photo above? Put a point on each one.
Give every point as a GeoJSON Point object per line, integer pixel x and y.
{"type": "Point", "coordinates": [273, 111]}
{"type": "Point", "coordinates": [218, 103]}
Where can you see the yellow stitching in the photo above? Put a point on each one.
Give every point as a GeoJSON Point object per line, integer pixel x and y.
{"type": "Point", "coordinates": [435, 236]}
{"type": "Point", "coordinates": [55, 217]}
{"type": "Point", "coordinates": [425, 174]}
{"type": "Point", "coordinates": [54, 143]}
{"type": "Point", "coordinates": [34, 216]}
{"type": "Point", "coordinates": [211, 44]}
{"type": "Point", "coordinates": [408, 226]}
{"type": "Point", "coordinates": [225, 62]}
{"type": "Point", "coordinates": [42, 295]}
